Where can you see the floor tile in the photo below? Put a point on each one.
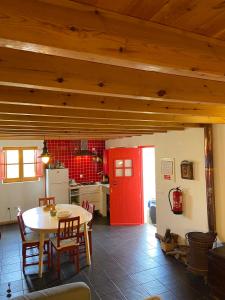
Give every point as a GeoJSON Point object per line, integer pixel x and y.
{"type": "Point", "coordinates": [127, 263]}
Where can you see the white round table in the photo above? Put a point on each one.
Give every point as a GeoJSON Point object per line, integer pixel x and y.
{"type": "Point", "coordinates": [39, 220]}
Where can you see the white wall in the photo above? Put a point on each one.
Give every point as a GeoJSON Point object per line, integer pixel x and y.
{"type": "Point", "coordinates": [180, 145]}
{"type": "Point", "coordinates": [23, 194]}
{"type": "Point", "coordinates": [219, 177]}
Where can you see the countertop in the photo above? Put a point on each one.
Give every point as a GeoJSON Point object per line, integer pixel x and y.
{"type": "Point", "coordinates": [77, 186]}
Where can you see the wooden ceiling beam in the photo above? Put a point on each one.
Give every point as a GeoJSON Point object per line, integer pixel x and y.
{"type": "Point", "coordinates": [38, 71]}
{"type": "Point", "coordinates": [80, 128]}
{"type": "Point", "coordinates": [35, 123]}
{"type": "Point", "coordinates": [87, 122]}
{"type": "Point", "coordinates": [64, 132]}
{"type": "Point", "coordinates": [92, 34]}
{"type": "Point", "coordinates": [9, 109]}
{"type": "Point", "coordinates": [32, 136]}
{"type": "Point", "coordinates": [35, 97]}
{"type": "Point", "coordinates": [90, 131]}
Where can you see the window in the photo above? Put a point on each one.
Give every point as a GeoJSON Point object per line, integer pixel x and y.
{"type": "Point", "coordinates": [123, 168]}
{"type": "Point", "coordinates": [20, 164]}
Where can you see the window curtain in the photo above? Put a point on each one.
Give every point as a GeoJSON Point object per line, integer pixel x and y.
{"type": "Point", "coordinates": [2, 164]}
{"type": "Point", "coordinates": [40, 166]}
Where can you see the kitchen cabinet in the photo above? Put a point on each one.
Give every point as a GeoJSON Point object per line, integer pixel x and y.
{"type": "Point", "coordinates": [91, 193]}
{"type": "Point", "coordinates": [95, 194]}
{"type": "Point", "coordinates": [104, 194]}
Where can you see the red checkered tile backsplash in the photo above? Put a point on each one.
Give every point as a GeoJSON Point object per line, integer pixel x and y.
{"type": "Point", "coordinates": [86, 166]}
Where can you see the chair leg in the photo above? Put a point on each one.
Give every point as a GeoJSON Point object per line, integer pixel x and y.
{"type": "Point", "coordinates": [49, 255]}
{"type": "Point", "coordinates": [76, 253]}
{"type": "Point", "coordinates": [58, 264]}
{"type": "Point", "coordinates": [24, 257]}
{"type": "Point", "coordinates": [71, 255]}
{"type": "Point", "coordinates": [90, 241]}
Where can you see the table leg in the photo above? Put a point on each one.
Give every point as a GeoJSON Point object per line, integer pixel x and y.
{"type": "Point", "coordinates": [88, 256]}
{"type": "Point", "coordinates": [41, 250]}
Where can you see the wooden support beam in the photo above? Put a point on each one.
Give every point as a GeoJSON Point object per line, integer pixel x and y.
{"type": "Point", "coordinates": [19, 121]}
{"type": "Point", "coordinates": [109, 115]}
{"type": "Point", "coordinates": [58, 137]}
{"type": "Point", "coordinates": [66, 134]}
{"type": "Point", "coordinates": [51, 73]}
{"type": "Point", "coordinates": [81, 132]}
{"type": "Point", "coordinates": [82, 127]}
{"type": "Point", "coordinates": [209, 177]}
{"type": "Point", "coordinates": [27, 119]}
{"type": "Point", "coordinates": [35, 97]}
{"type": "Point", "coordinates": [68, 29]}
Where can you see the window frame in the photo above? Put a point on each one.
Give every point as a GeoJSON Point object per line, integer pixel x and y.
{"type": "Point", "coordinates": [123, 167]}
{"type": "Point", "coordinates": [21, 164]}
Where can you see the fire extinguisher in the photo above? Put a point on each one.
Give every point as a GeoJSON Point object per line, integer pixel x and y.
{"type": "Point", "coordinates": [177, 207]}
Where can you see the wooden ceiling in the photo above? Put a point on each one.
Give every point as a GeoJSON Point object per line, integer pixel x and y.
{"type": "Point", "coordinates": [106, 69]}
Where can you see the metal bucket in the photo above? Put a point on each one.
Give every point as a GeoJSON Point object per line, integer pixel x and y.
{"type": "Point", "coordinates": [199, 243]}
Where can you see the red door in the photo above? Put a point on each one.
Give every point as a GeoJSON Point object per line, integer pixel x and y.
{"type": "Point", "coordinates": [126, 205]}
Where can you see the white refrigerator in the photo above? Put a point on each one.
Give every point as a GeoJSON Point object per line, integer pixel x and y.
{"type": "Point", "coordinates": [57, 184]}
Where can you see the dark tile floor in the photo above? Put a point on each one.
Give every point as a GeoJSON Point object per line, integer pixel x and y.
{"type": "Point", "coordinates": [127, 264]}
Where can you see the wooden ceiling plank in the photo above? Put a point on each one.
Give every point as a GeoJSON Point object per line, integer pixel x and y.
{"type": "Point", "coordinates": [109, 38]}
{"type": "Point", "coordinates": [189, 15]}
{"type": "Point", "coordinates": [144, 9]}
{"type": "Point", "coordinates": [38, 71]}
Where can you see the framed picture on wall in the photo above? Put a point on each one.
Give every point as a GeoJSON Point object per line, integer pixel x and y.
{"type": "Point", "coordinates": [167, 168]}
{"type": "Point", "coordinates": [186, 168]}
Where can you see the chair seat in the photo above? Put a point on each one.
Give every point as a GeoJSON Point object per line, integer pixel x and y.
{"type": "Point", "coordinates": [64, 243]}
{"type": "Point", "coordinates": [33, 237]}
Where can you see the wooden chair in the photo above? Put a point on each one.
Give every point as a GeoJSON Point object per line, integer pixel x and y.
{"type": "Point", "coordinates": [30, 242]}
{"type": "Point", "coordinates": [90, 209]}
{"type": "Point", "coordinates": [25, 229]}
{"type": "Point", "coordinates": [46, 201]}
{"type": "Point", "coordinates": [85, 204]}
{"type": "Point", "coordinates": [67, 239]}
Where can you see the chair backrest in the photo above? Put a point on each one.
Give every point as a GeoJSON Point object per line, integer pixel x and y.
{"type": "Point", "coordinates": [91, 208]}
{"type": "Point", "coordinates": [68, 228]}
{"type": "Point", "coordinates": [46, 201]}
{"type": "Point", "coordinates": [85, 204]}
{"type": "Point", "coordinates": [21, 225]}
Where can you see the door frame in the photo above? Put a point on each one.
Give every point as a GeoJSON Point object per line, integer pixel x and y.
{"type": "Point", "coordinates": [142, 185]}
